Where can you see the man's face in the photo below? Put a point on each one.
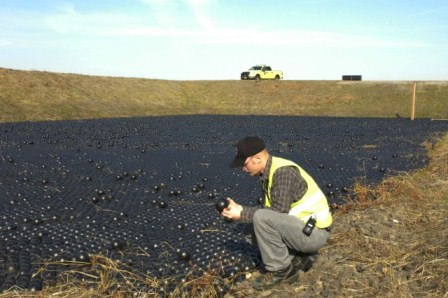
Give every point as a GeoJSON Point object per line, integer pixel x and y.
{"type": "Point", "coordinates": [252, 165]}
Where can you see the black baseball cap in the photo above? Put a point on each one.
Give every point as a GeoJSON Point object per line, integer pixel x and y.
{"type": "Point", "coordinates": [247, 147]}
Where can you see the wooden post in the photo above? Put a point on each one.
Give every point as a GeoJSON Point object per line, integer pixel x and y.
{"type": "Point", "coordinates": [414, 87]}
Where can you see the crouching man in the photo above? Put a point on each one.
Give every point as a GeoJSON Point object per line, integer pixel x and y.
{"type": "Point", "coordinates": [294, 222]}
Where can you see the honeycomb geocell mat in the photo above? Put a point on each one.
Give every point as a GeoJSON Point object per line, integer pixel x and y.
{"type": "Point", "coordinates": [143, 190]}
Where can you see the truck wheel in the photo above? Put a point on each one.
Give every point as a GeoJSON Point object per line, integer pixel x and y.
{"type": "Point", "coordinates": [277, 77]}
{"type": "Point", "coordinates": [257, 77]}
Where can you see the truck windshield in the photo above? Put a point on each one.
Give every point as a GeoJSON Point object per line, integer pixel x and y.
{"type": "Point", "coordinates": [256, 68]}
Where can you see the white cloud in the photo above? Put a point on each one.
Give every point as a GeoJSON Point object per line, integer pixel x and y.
{"type": "Point", "coordinates": [199, 8]}
{"type": "Point", "coordinates": [434, 10]}
{"type": "Point", "coordinates": [66, 7]}
{"type": "Point", "coordinates": [171, 13]}
{"type": "Point", "coordinates": [312, 38]}
{"type": "Point", "coordinates": [90, 24]}
{"type": "Point", "coordinates": [5, 43]}
{"type": "Point", "coordinates": [165, 12]}
{"type": "Point", "coordinates": [171, 25]}
{"type": "Point", "coordinates": [155, 32]}
{"type": "Point", "coordinates": [110, 25]}
{"type": "Point", "coordinates": [271, 38]}
{"type": "Point", "coordinates": [154, 2]}
{"type": "Point", "coordinates": [64, 20]}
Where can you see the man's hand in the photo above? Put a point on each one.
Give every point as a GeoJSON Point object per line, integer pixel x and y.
{"type": "Point", "coordinates": [233, 211]}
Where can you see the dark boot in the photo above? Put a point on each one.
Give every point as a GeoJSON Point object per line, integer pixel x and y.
{"type": "Point", "coordinates": [288, 275]}
{"type": "Point", "coordinates": [304, 262]}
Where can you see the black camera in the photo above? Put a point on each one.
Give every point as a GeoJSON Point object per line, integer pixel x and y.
{"type": "Point", "coordinates": [309, 226]}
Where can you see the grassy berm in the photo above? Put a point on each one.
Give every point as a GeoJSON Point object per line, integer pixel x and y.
{"type": "Point", "coordinates": [31, 95]}
{"type": "Point", "coordinates": [392, 241]}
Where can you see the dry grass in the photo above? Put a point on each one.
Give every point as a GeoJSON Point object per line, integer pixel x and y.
{"type": "Point", "coordinates": [396, 233]}
{"type": "Point", "coordinates": [32, 95]}
{"type": "Point", "coordinates": [101, 276]}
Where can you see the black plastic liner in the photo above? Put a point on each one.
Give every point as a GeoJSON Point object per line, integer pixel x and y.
{"type": "Point", "coordinates": [119, 186]}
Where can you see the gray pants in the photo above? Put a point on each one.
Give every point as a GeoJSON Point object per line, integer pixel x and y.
{"type": "Point", "coordinates": [279, 236]}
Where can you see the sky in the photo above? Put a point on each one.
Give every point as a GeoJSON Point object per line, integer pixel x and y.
{"type": "Point", "coordinates": [218, 39]}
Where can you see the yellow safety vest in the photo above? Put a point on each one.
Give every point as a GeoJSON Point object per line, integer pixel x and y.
{"type": "Point", "coordinates": [312, 204]}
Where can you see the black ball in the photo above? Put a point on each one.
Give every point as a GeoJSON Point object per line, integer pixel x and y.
{"type": "Point", "coordinates": [118, 245]}
{"type": "Point", "coordinates": [184, 255]}
{"type": "Point", "coordinates": [221, 204]}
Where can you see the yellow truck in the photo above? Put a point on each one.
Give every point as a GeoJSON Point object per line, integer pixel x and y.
{"type": "Point", "coordinates": [261, 72]}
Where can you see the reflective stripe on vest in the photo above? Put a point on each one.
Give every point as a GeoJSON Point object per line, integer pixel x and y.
{"type": "Point", "coordinates": [313, 203]}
